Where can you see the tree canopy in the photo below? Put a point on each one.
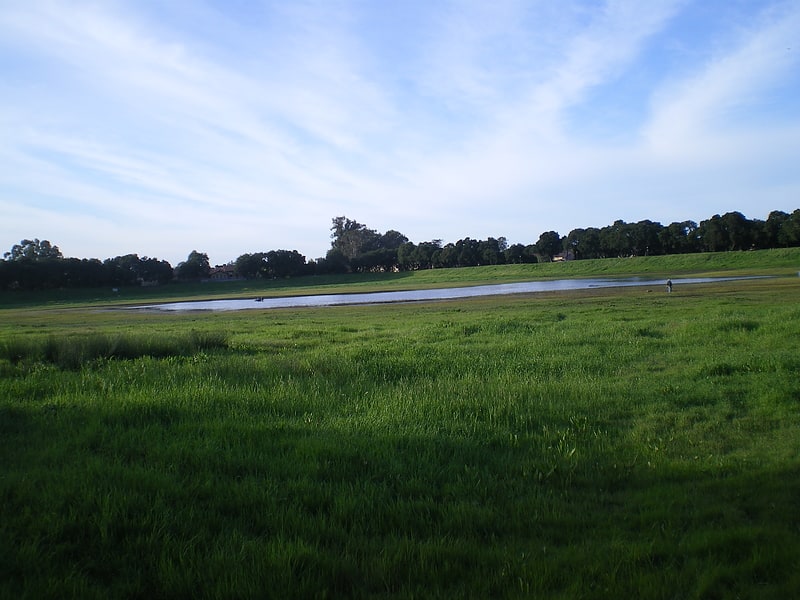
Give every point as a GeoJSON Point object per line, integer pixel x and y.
{"type": "Point", "coordinates": [33, 250]}
{"type": "Point", "coordinates": [196, 266]}
{"type": "Point", "coordinates": [39, 264]}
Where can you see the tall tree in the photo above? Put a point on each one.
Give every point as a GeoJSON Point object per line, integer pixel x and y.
{"type": "Point", "coordinates": [679, 238]}
{"type": "Point", "coordinates": [426, 253]}
{"type": "Point", "coordinates": [772, 227]}
{"type": "Point", "coordinates": [739, 231]}
{"type": "Point", "coordinates": [446, 257]}
{"type": "Point", "coordinates": [411, 257]}
{"type": "Point", "coordinates": [615, 239]}
{"type": "Point", "coordinates": [713, 235]}
{"type": "Point", "coordinates": [392, 239]}
{"type": "Point", "coordinates": [123, 270]}
{"type": "Point", "coordinates": [468, 253]}
{"type": "Point", "coordinates": [152, 269]}
{"type": "Point", "coordinates": [520, 254]}
{"type": "Point", "coordinates": [731, 231]}
{"type": "Point", "coordinates": [130, 269]}
{"type": "Point", "coordinates": [644, 238]}
{"type": "Point", "coordinates": [549, 244]}
{"type": "Point", "coordinates": [492, 251]}
{"type": "Point", "coordinates": [33, 250]}
{"type": "Point", "coordinates": [251, 266]}
{"type": "Point", "coordinates": [352, 238]}
{"type": "Point", "coordinates": [285, 263]}
{"type": "Point", "coordinates": [789, 235]}
{"type": "Point", "coordinates": [196, 266]}
{"type": "Point", "coordinates": [405, 257]}
{"type": "Point", "coordinates": [334, 262]}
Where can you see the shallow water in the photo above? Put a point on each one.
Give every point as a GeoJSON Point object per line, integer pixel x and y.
{"type": "Point", "coordinates": [432, 294]}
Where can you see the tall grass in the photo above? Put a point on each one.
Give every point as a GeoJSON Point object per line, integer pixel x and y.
{"type": "Point", "coordinates": [594, 444]}
{"type": "Point", "coordinates": [74, 350]}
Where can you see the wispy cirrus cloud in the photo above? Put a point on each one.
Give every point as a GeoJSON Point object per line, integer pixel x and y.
{"type": "Point", "coordinates": [714, 102]}
{"type": "Point", "coordinates": [243, 129]}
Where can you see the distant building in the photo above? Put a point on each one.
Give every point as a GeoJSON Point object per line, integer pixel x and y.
{"type": "Point", "coordinates": [565, 255]}
{"type": "Point", "coordinates": [223, 273]}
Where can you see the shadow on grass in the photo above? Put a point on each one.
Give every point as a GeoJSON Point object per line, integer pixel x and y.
{"type": "Point", "coordinates": [156, 501]}
{"type": "Point", "coordinates": [75, 351]}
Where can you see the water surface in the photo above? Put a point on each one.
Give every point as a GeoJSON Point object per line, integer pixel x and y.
{"type": "Point", "coordinates": [500, 289]}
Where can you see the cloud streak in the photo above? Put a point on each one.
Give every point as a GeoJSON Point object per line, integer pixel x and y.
{"type": "Point", "coordinates": [232, 132]}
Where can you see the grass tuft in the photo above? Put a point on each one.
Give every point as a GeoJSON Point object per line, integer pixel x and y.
{"type": "Point", "coordinates": [75, 350]}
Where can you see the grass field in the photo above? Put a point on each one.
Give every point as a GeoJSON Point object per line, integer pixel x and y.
{"type": "Point", "coordinates": [588, 444]}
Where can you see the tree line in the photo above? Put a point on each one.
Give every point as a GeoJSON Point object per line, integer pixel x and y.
{"type": "Point", "coordinates": [35, 264]}
{"type": "Point", "coordinates": [355, 248]}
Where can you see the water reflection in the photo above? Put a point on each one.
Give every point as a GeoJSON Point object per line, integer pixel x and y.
{"type": "Point", "coordinates": [423, 295]}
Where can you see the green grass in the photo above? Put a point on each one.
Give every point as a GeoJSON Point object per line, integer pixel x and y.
{"type": "Point", "coordinates": [591, 444]}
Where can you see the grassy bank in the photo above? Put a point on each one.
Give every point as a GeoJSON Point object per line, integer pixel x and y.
{"type": "Point", "coordinates": [591, 444]}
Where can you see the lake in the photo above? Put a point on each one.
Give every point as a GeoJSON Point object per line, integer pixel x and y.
{"type": "Point", "coordinates": [501, 289]}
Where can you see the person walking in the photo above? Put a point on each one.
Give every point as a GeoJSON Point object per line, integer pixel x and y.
{"type": "Point", "coordinates": [669, 286]}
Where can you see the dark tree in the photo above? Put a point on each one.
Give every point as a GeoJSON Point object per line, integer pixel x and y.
{"type": "Point", "coordinates": [644, 238]}
{"type": "Point", "coordinates": [731, 231]}
{"type": "Point", "coordinates": [584, 243]}
{"type": "Point", "coordinates": [712, 234]}
{"type": "Point", "coordinates": [33, 250]}
{"type": "Point", "coordinates": [549, 244]}
{"type": "Point", "coordinates": [196, 266]}
{"type": "Point", "coordinates": [492, 251]}
{"type": "Point", "coordinates": [514, 254]}
{"type": "Point", "coordinates": [364, 249]}
{"type": "Point", "coordinates": [406, 257]}
{"type": "Point", "coordinates": [123, 270]}
{"type": "Point", "coordinates": [615, 240]}
{"type": "Point", "coordinates": [679, 238]}
{"type": "Point", "coordinates": [130, 269]}
{"type": "Point", "coordinates": [86, 272]}
{"type": "Point", "coordinates": [739, 230]}
{"type": "Point", "coordinates": [771, 228]}
{"type": "Point", "coordinates": [529, 255]}
{"type": "Point", "coordinates": [425, 255]}
{"type": "Point", "coordinates": [251, 266]}
{"type": "Point", "coordinates": [352, 238]}
{"type": "Point", "coordinates": [520, 254]}
{"type": "Point", "coordinates": [591, 243]}
{"type": "Point", "coordinates": [375, 261]}
{"type": "Point", "coordinates": [152, 269]}
{"type": "Point", "coordinates": [335, 262]}
{"type": "Point", "coordinates": [392, 239]}
{"type": "Point", "coordinates": [285, 263]}
{"type": "Point", "coordinates": [468, 253]}
{"type": "Point", "coordinates": [412, 258]}
{"type": "Point", "coordinates": [446, 257]}
{"type": "Point", "coordinates": [789, 235]}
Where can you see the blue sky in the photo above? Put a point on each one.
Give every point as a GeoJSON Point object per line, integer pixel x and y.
{"type": "Point", "coordinates": [242, 126]}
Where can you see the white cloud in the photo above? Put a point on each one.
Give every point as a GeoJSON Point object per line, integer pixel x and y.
{"type": "Point", "coordinates": [244, 132]}
{"type": "Point", "coordinates": [693, 118]}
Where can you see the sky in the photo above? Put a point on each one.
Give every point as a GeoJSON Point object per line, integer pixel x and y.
{"type": "Point", "coordinates": [240, 126]}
